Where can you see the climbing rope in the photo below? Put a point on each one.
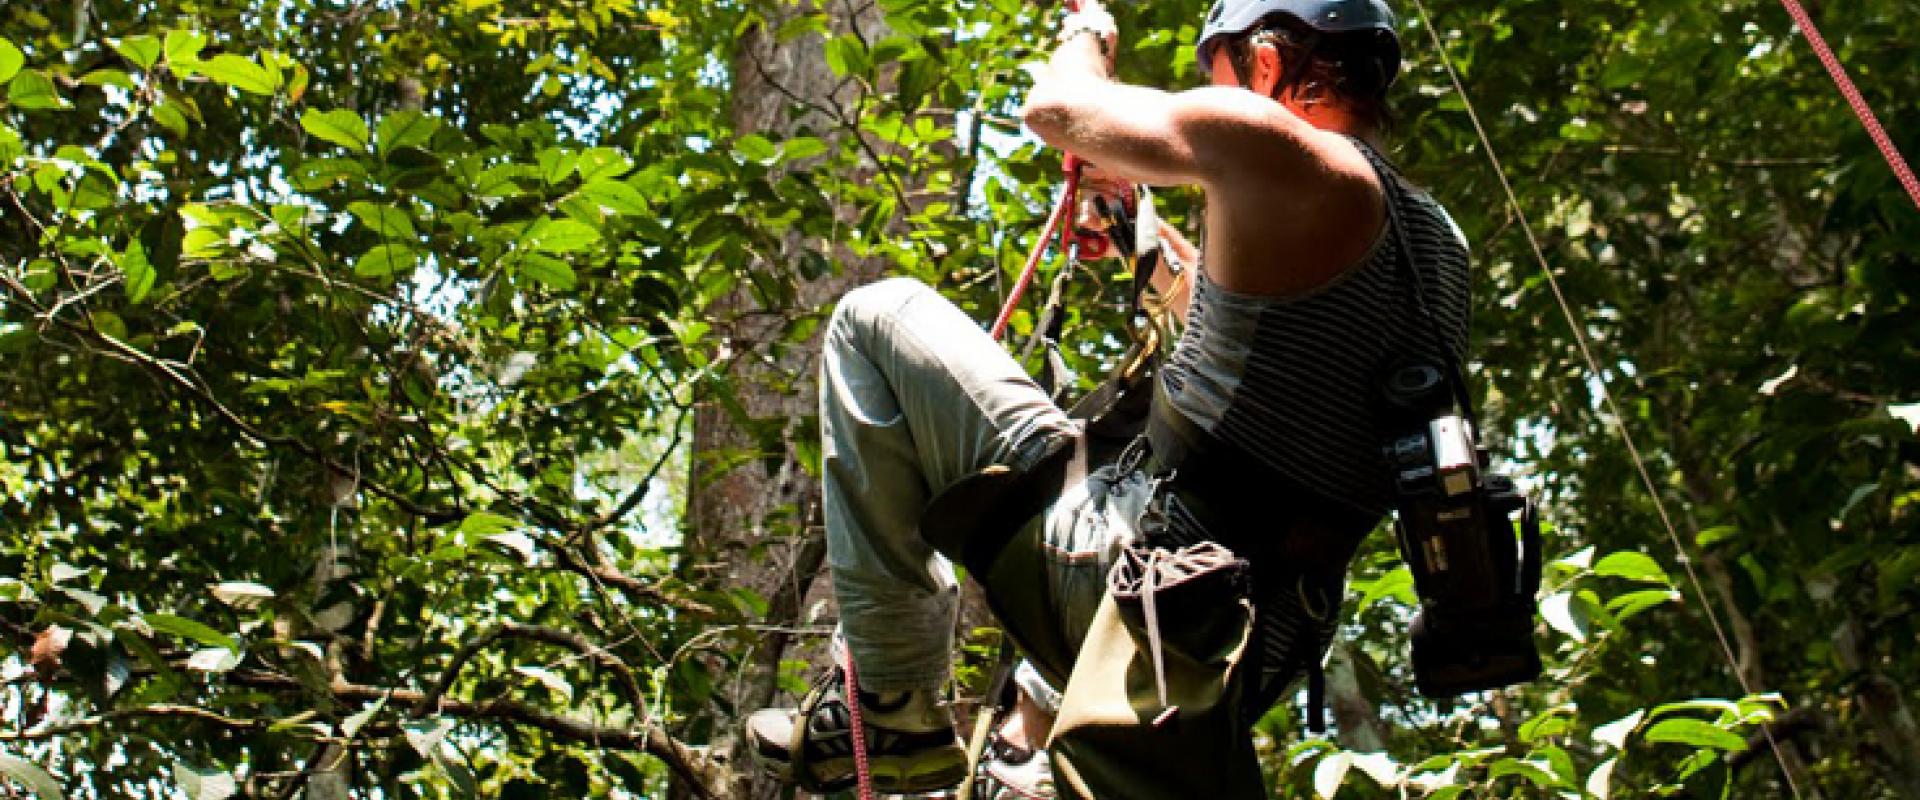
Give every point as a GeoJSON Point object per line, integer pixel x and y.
{"type": "Point", "coordinates": [862, 772]}
{"type": "Point", "coordinates": [1606, 394]}
{"type": "Point", "coordinates": [1068, 196]}
{"type": "Point", "coordinates": [1859, 103]}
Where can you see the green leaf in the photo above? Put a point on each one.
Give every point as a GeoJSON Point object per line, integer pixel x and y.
{"type": "Point", "coordinates": [1397, 583]}
{"type": "Point", "coordinates": [556, 164]}
{"type": "Point", "coordinates": [213, 659]}
{"type": "Point", "coordinates": [203, 243]}
{"type": "Point", "coordinates": [110, 77]}
{"type": "Point", "coordinates": [802, 147]}
{"type": "Point", "coordinates": [350, 727]}
{"type": "Point", "coordinates": [406, 128]}
{"type": "Point", "coordinates": [1555, 722]}
{"type": "Point", "coordinates": [1683, 730]}
{"type": "Point", "coordinates": [390, 222]}
{"type": "Point", "coordinates": [10, 145]}
{"type": "Point", "coordinates": [1632, 566]}
{"type": "Point", "coordinates": [1535, 772]}
{"type": "Point", "coordinates": [1721, 705]}
{"type": "Point", "coordinates": [548, 271]}
{"type": "Point", "coordinates": [616, 196]}
{"type": "Point", "coordinates": [32, 90]}
{"type": "Point", "coordinates": [487, 523]}
{"type": "Point", "coordinates": [11, 60]}
{"type": "Point", "coordinates": [549, 679]}
{"type": "Point", "coordinates": [1330, 773]}
{"type": "Point", "coordinates": [1633, 603]}
{"type": "Point", "coordinates": [756, 148]}
{"type": "Point", "coordinates": [143, 51]}
{"type": "Point", "coordinates": [189, 629]}
{"type": "Point", "coordinates": [32, 777]}
{"type": "Point", "coordinates": [109, 324]}
{"type": "Point", "coordinates": [1715, 535]}
{"type": "Point", "coordinates": [139, 271]}
{"type": "Point", "coordinates": [1565, 614]}
{"type": "Point", "coordinates": [319, 173]}
{"type": "Point", "coordinates": [845, 54]}
{"type": "Point", "coordinates": [1615, 733]}
{"type": "Point", "coordinates": [170, 116]}
{"type": "Point", "coordinates": [386, 260]}
{"type": "Point", "coordinates": [603, 163]}
{"type": "Point", "coordinates": [183, 51]}
{"type": "Point", "coordinates": [242, 594]}
{"type": "Point", "coordinates": [240, 73]}
{"type": "Point", "coordinates": [562, 236]}
{"type": "Point", "coordinates": [204, 784]}
{"type": "Point", "coordinates": [297, 86]}
{"type": "Point", "coordinates": [339, 126]}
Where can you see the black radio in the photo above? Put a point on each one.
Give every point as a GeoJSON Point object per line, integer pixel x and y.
{"type": "Point", "coordinates": [1476, 578]}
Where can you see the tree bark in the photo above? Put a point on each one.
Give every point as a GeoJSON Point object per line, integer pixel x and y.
{"type": "Point", "coordinates": [1361, 728]}
{"type": "Point", "coordinates": [755, 523]}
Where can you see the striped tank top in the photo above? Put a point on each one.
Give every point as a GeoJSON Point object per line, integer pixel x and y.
{"type": "Point", "coordinates": [1293, 383]}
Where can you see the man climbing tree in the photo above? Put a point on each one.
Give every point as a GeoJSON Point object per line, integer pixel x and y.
{"type": "Point", "coordinates": [1265, 437]}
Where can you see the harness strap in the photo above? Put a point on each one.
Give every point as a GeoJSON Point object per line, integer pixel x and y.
{"type": "Point", "coordinates": [1317, 697]}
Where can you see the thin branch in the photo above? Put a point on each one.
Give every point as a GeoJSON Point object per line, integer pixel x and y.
{"type": "Point", "coordinates": [639, 492]}
{"type": "Point", "coordinates": [649, 738]}
{"type": "Point", "coordinates": [157, 711]}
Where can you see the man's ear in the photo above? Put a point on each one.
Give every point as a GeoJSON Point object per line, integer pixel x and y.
{"type": "Point", "coordinates": [1267, 69]}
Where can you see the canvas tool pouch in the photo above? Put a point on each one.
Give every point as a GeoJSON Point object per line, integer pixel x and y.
{"type": "Point", "coordinates": [1156, 704]}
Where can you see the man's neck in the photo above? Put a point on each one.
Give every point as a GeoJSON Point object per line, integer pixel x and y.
{"type": "Point", "coordinates": [1330, 117]}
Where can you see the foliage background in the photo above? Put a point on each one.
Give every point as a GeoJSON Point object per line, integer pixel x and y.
{"type": "Point", "coordinates": [351, 352]}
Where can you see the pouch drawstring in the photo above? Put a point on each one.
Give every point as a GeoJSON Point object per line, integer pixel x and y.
{"type": "Point", "coordinates": [1149, 584]}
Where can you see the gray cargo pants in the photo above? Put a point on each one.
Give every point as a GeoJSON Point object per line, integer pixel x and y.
{"type": "Point", "coordinates": [913, 397]}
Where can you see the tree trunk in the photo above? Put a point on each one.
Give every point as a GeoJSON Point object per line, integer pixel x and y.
{"type": "Point", "coordinates": [754, 523]}
{"type": "Point", "coordinates": [1883, 703]}
{"type": "Point", "coordinates": [1358, 720]}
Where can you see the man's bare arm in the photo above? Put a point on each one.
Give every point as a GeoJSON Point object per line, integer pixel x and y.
{"type": "Point", "coordinates": [1158, 137]}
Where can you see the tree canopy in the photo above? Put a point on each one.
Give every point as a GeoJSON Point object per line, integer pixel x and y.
{"type": "Point", "coordinates": [350, 352]}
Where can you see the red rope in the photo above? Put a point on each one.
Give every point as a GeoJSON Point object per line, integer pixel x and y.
{"type": "Point", "coordinates": [1060, 212]}
{"type": "Point", "coordinates": [862, 773]}
{"type": "Point", "coordinates": [1860, 107]}
{"type": "Point", "coordinates": [1071, 166]}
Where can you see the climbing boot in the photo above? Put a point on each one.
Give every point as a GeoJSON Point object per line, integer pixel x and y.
{"type": "Point", "coordinates": [1010, 772]}
{"type": "Point", "coordinates": [911, 744]}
